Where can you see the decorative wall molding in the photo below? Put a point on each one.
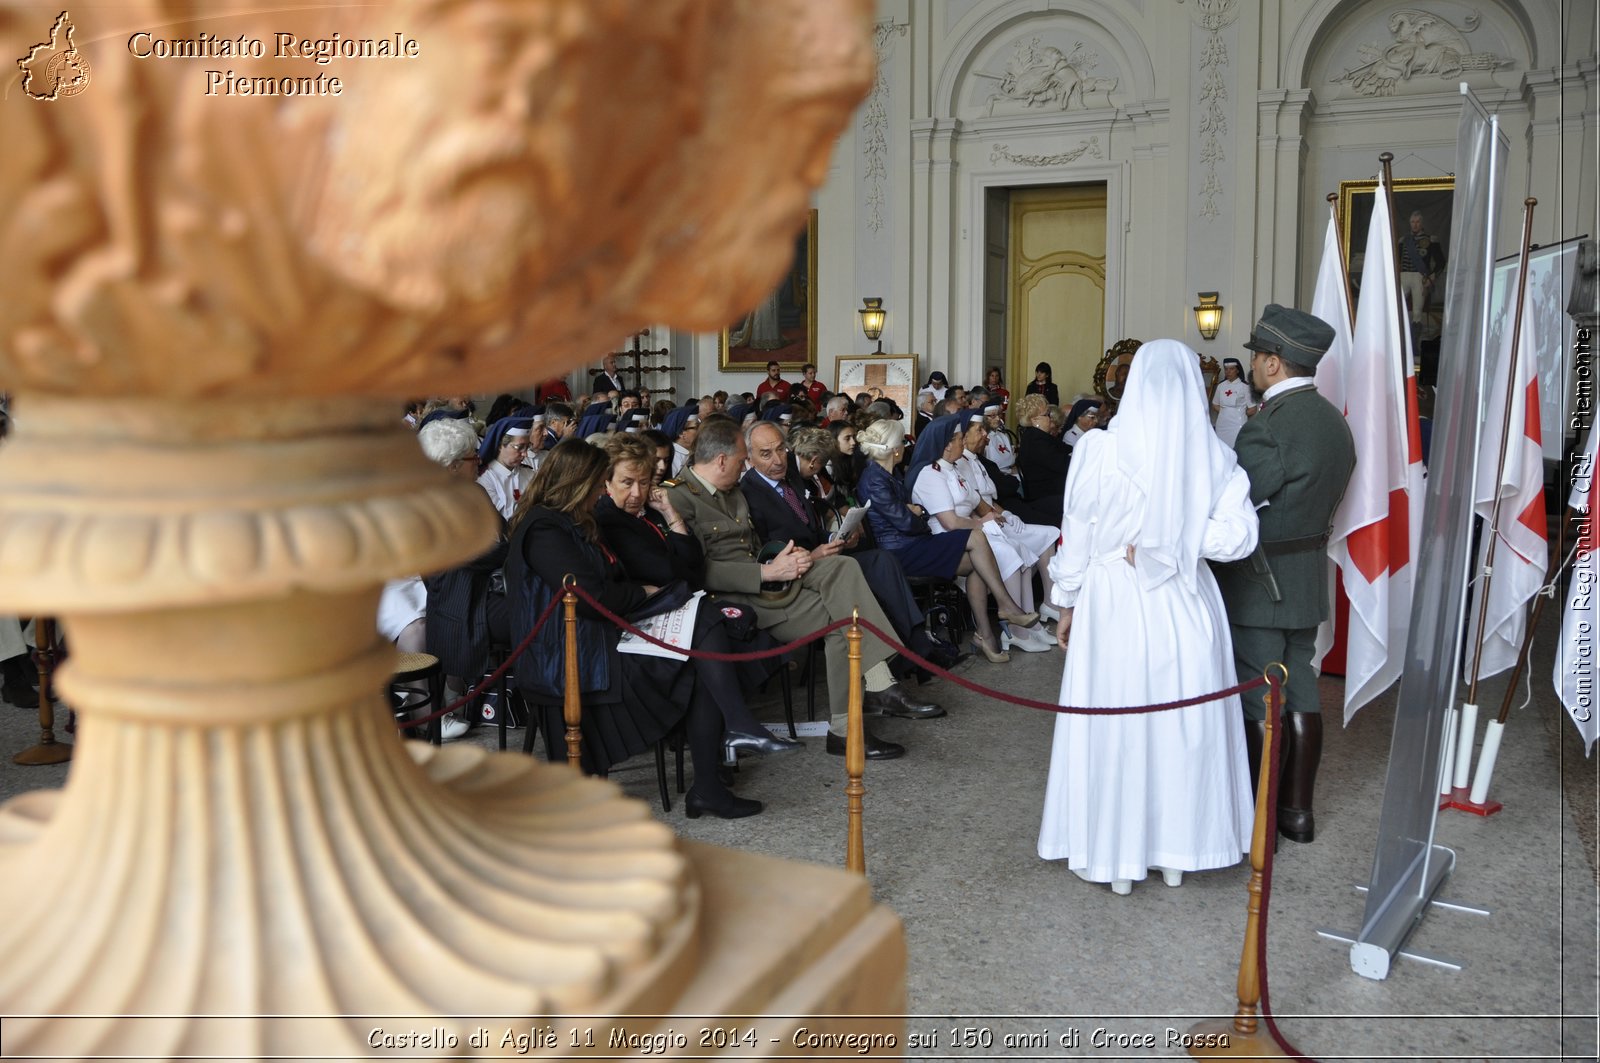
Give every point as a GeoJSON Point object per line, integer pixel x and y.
{"type": "Point", "coordinates": [1042, 77]}
{"type": "Point", "coordinates": [1424, 45]}
{"type": "Point", "coordinates": [1003, 151]}
{"type": "Point", "coordinates": [1214, 16]}
{"type": "Point", "coordinates": [875, 121]}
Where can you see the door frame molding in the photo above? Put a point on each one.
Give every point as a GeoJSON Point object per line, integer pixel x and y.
{"type": "Point", "coordinates": [968, 361]}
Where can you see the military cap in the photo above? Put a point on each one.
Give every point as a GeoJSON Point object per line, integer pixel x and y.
{"type": "Point", "coordinates": [1292, 335]}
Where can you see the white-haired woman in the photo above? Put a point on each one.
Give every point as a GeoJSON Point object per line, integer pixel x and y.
{"type": "Point", "coordinates": [403, 607]}
{"type": "Point", "coordinates": [1149, 501]}
{"type": "Point", "coordinates": [902, 527]}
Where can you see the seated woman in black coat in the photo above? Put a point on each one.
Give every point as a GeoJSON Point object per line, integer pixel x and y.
{"type": "Point", "coordinates": [630, 701]}
{"type": "Point", "coordinates": [645, 534]}
{"type": "Point", "coordinates": [1041, 457]}
{"type": "Point", "coordinates": [902, 528]}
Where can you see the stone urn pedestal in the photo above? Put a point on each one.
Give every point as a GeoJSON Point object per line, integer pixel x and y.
{"type": "Point", "coordinates": [213, 308]}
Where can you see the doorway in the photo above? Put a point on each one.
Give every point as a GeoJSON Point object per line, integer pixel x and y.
{"type": "Point", "coordinates": [1045, 283]}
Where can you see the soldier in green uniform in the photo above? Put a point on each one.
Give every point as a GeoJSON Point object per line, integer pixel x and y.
{"type": "Point", "coordinates": [1299, 455]}
{"type": "Point", "coordinates": [793, 593]}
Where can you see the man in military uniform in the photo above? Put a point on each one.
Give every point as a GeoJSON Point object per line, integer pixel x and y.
{"type": "Point", "coordinates": [1299, 455]}
{"type": "Point", "coordinates": [794, 593]}
{"type": "Point", "coordinates": [1421, 263]}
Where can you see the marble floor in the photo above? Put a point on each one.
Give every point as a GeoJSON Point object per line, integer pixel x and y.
{"type": "Point", "coordinates": [1004, 942]}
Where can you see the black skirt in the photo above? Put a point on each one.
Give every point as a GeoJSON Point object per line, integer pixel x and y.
{"type": "Point", "coordinates": [655, 699]}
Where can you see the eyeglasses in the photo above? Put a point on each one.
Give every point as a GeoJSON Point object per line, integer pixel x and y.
{"type": "Point", "coordinates": [516, 446]}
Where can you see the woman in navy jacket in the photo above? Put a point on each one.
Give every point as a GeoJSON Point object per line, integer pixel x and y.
{"type": "Point", "coordinates": [901, 527]}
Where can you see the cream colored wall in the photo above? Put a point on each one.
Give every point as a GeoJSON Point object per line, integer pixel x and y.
{"type": "Point", "coordinates": [1224, 133]}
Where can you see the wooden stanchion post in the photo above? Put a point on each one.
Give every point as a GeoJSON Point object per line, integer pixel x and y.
{"type": "Point", "coordinates": [1242, 1035]}
{"type": "Point", "coordinates": [855, 757]}
{"type": "Point", "coordinates": [572, 700]}
{"type": "Point", "coordinates": [48, 751]}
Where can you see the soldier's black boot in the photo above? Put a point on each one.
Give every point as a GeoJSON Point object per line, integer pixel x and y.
{"type": "Point", "coordinates": [1304, 738]}
{"type": "Point", "coordinates": [1255, 736]}
{"type": "Point", "coordinates": [16, 685]}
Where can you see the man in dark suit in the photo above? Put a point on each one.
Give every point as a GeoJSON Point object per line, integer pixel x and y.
{"type": "Point", "coordinates": [1299, 455]}
{"type": "Point", "coordinates": [609, 378]}
{"type": "Point", "coordinates": [792, 593]}
{"type": "Point", "coordinates": [782, 511]}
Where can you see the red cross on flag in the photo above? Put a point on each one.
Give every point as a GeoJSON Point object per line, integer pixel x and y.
{"type": "Point", "coordinates": [1378, 524]}
{"type": "Point", "coordinates": [1521, 550]}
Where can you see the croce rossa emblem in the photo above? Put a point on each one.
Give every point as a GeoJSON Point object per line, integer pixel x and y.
{"type": "Point", "coordinates": [55, 69]}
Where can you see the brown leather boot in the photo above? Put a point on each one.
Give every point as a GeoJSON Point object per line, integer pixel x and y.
{"type": "Point", "coordinates": [1304, 734]}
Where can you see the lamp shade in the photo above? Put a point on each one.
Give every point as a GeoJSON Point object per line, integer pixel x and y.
{"type": "Point", "coordinates": [872, 316]}
{"type": "Point", "coordinates": [1208, 315]}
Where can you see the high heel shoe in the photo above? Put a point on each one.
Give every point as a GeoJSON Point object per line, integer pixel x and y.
{"type": "Point", "coordinates": [1020, 619]}
{"type": "Point", "coordinates": [1031, 640]}
{"type": "Point", "coordinates": [990, 655]}
{"type": "Point", "coordinates": [761, 744]}
{"type": "Point", "coordinates": [730, 806]}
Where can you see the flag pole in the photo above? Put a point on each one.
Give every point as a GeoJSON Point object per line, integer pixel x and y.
{"type": "Point", "coordinates": [1469, 710]}
{"type": "Point", "coordinates": [1344, 263]}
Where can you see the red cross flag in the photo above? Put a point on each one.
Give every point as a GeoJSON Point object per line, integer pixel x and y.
{"type": "Point", "coordinates": [1378, 524]}
{"type": "Point", "coordinates": [1521, 548]}
{"type": "Point", "coordinates": [1574, 671]}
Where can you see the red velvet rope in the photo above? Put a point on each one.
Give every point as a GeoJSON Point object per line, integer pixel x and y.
{"type": "Point", "coordinates": [915, 658]}
{"type": "Point", "coordinates": [1275, 708]}
{"type": "Point", "coordinates": [490, 679]}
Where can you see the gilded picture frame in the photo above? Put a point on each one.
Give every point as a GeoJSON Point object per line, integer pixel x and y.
{"type": "Point", "coordinates": [891, 376]}
{"type": "Point", "coordinates": [784, 326]}
{"type": "Point", "coordinates": [1112, 372]}
{"type": "Point", "coordinates": [1432, 196]}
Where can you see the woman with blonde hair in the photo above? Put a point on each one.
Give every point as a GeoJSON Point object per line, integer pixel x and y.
{"type": "Point", "coordinates": [902, 527]}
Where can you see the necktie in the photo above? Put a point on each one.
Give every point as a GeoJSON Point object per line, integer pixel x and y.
{"type": "Point", "coordinates": [794, 503]}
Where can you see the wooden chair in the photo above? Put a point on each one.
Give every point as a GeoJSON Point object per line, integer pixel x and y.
{"type": "Point", "coordinates": [424, 667]}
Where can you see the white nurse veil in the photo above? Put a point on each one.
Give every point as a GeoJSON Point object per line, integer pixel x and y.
{"type": "Point", "coordinates": [1166, 446]}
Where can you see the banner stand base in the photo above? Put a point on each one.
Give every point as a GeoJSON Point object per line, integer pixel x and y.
{"type": "Point", "coordinates": [1372, 961]}
{"type": "Point", "coordinates": [1460, 799]}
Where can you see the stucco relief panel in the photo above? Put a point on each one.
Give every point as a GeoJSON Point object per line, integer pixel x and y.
{"type": "Point", "coordinates": [1048, 67]}
{"type": "Point", "coordinates": [1399, 50]}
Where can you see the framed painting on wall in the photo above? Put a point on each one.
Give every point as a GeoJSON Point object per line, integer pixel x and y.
{"type": "Point", "coordinates": [889, 376]}
{"type": "Point", "coordinates": [784, 327]}
{"type": "Point", "coordinates": [1430, 200]}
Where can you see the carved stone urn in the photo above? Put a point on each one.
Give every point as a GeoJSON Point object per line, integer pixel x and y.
{"type": "Point", "coordinates": [220, 276]}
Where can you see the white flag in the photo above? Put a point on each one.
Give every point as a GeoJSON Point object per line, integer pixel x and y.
{"type": "Point", "coordinates": [1330, 301]}
{"type": "Point", "coordinates": [1521, 546]}
{"type": "Point", "coordinates": [1378, 525]}
{"type": "Point", "coordinates": [1574, 671]}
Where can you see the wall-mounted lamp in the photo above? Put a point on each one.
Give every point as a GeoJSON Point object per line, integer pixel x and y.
{"type": "Point", "coordinates": [1208, 315]}
{"type": "Point", "coordinates": [872, 315]}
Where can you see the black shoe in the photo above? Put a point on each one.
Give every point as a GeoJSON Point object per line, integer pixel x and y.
{"type": "Point", "coordinates": [896, 702]}
{"type": "Point", "coordinates": [729, 806]}
{"type": "Point", "coordinates": [21, 695]}
{"type": "Point", "coordinates": [947, 661]}
{"type": "Point", "coordinates": [762, 744]}
{"type": "Point", "coordinates": [877, 748]}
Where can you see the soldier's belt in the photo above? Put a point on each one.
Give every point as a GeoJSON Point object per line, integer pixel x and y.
{"type": "Point", "coordinates": [1295, 546]}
